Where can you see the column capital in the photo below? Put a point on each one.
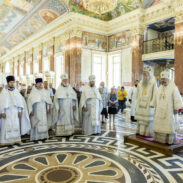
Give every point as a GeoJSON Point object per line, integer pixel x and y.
{"type": "Point", "coordinates": [77, 32]}
{"type": "Point", "coordinates": [74, 32]}
{"type": "Point", "coordinates": [138, 29]}
{"type": "Point", "coordinates": [179, 17]}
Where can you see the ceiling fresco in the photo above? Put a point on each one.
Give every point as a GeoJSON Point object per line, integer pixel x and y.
{"type": "Point", "coordinates": [19, 19]}
{"type": "Point", "coordinates": [124, 6]}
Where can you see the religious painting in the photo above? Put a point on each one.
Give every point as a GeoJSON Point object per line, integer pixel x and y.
{"type": "Point", "coordinates": [35, 24]}
{"type": "Point", "coordinates": [149, 3]}
{"type": "Point", "coordinates": [34, 13]}
{"type": "Point", "coordinates": [123, 6]}
{"type": "Point", "coordinates": [19, 4]}
{"type": "Point", "coordinates": [120, 40]}
{"type": "Point", "coordinates": [48, 15]}
{"type": "Point", "coordinates": [94, 41]}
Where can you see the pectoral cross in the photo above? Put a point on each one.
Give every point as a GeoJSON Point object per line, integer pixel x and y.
{"type": "Point", "coordinates": [144, 92]}
{"type": "Point", "coordinates": [162, 94]}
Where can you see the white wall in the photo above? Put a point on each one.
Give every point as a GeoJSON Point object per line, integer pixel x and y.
{"type": "Point", "coordinates": [59, 67]}
{"type": "Point", "coordinates": [93, 62]}
{"type": "Point", "coordinates": [86, 64]}
{"type": "Point", "coordinates": [126, 65]}
{"type": "Point", "coordinates": [119, 68]}
{"type": "Point", "coordinates": [114, 68]}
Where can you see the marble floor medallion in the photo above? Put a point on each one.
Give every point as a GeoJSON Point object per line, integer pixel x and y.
{"type": "Point", "coordinates": [87, 159]}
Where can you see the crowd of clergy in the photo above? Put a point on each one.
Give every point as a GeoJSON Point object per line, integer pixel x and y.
{"type": "Point", "coordinates": [37, 109]}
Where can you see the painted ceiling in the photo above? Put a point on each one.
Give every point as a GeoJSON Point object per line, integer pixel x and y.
{"type": "Point", "coordinates": [124, 6]}
{"type": "Point", "coordinates": [20, 19]}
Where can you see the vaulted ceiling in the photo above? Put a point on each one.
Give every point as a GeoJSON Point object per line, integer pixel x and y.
{"type": "Point", "coordinates": [123, 6]}
{"type": "Point", "coordinates": [20, 19]}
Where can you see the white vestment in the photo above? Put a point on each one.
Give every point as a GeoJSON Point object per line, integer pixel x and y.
{"type": "Point", "coordinates": [166, 101]}
{"type": "Point", "coordinates": [132, 97]}
{"type": "Point", "coordinates": [50, 114]}
{"type": "Point", "coordinates": [12, 127]}
{"type": "Point", "coordinates": [39, 102]}
{"type": "Point", "coordinates": [64, 117]}
{"type": "Point", "coordinates": [91, 99]}
{"type": "Point", "coordinates": [144, 113]}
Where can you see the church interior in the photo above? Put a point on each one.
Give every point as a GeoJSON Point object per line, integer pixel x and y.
{"type": "Point", "coordinates": [112, 40]}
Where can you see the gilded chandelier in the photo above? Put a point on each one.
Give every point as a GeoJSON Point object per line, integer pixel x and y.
{"type": "Point", "coordinates": [100, 6]}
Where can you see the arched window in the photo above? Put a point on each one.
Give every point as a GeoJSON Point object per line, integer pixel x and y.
{"type": "Point", "coordinates": [7, 68]}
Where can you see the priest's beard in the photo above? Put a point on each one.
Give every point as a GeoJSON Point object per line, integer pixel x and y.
{"type": "Point", "coordinates": [11, 88]}
{"type": "Point", "coordinates": [165, 83]}
{"type": "Point", "coordinates": [39, 88]}
{"type": "Point", "coordinates": [92, 85]}
{"type": "Point", "coordinates": [145, 81]}
{"type": "Point", "coordinates": [64, 84]}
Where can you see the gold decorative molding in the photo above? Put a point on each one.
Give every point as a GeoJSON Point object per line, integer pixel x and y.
{"type": "Point", "coordinates": [76, 33]}
{"type": "Point", "coordinates": [179, 17]}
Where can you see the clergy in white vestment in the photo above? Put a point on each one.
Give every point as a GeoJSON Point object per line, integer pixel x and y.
{"type": "Point", "coordinates": [144, 112]}
{"type": "Point", "coordinates": [49, 94]}
{"type": "Point", "coordinates": [133, 101]}
{"type": "Point", "coordinates": [167, 103]}
{"type": "Point", "coordinates": [39, 105]}
{"type": "Point", "coordinates": [65, 108]}
{"type": "Point", "coordinates": [90, 108]}
{"type": "Point", "coordinates": [14, 115]}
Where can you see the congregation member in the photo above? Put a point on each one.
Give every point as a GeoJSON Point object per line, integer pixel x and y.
{"type": "Point", "coordinates": [65, 108]}
{"type": "Point", "coordinates": [39, 105]}
{"type": "Point", "coordinates": [113, 105]}
{"type": "Point", "coordinates": [132, 100]}
{"type": "Point", "coordinates": [167, 103]}
{"type": "Point", "coordinates": [122, 94]}
{"type": "Point", "coordinates": [23, 92]}
{"type": "Point", "coordinates": [78, 92]}
{"type": "Point", "coordinates": [104, 103]}
{"type": "Point", "coordinates": [105, 92]}
{"type": "Point", "coordinates": [14, 115]}
{"type": "Point", "coordinates": [1, 87]}
{"type": "Point", "coordinates": [29, 89]}
{"type": "Point", "coordinates": [49, 90]}
{"type": "Point", "coordinates": [81, 86]}
{"type": "Point", "coordinates": [90, 108]}
{"type": "Point", "coordinates": [145, 94]}
{"type": "Point", "coordinates": [53, 89]}
{"type": "Point", "coordinates": [18, 85]}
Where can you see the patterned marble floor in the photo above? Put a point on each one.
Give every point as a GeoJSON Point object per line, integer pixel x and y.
{"type": "Point", "coordinates": [89, 159]}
